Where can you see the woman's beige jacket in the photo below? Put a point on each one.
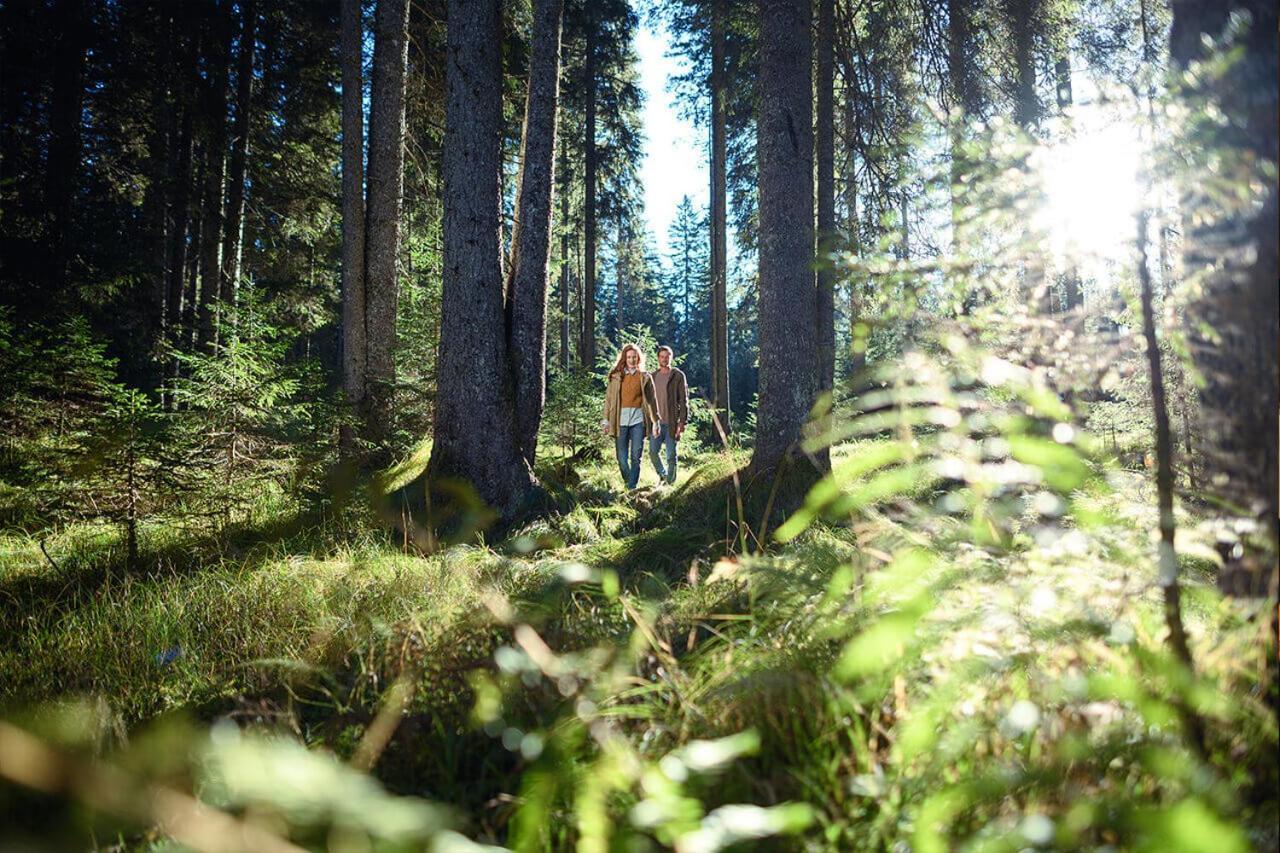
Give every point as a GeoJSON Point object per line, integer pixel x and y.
{"type": "Point", "coordinates": [613, 402]}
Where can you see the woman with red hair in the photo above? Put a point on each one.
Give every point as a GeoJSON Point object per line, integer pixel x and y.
{"type": "Point", "coordinates": [630, 410]}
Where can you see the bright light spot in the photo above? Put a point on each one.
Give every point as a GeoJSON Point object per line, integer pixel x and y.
{"type": "Point", "coordinates": [1043, 601]}
{"type": "Point", "coordinates": [1063, 433]}
{"type": "Point", "coordinates": [1091, 189]}
{"type": "Point", "coordinates": [1022, 717]}
{"type": "Point", "coordinates": [1037, 829]}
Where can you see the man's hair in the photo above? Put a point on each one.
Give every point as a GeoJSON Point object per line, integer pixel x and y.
{"type": "Point", "coordinates": [668, 350]}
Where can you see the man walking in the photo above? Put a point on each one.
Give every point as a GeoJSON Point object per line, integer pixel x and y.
{"type": "Point", "coordinates": [673, 413]}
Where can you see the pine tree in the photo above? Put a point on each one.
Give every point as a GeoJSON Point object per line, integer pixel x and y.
{"type": "Point", "coordinates": [787, 290]}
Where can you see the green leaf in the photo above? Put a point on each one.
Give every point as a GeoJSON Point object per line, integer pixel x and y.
{"type": "Point", "coordinates": [1061, 465]}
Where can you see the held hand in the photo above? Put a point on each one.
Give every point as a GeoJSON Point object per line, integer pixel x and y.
{"type": "Point", "coordinates": [679, 431]}
{"type": "Point", "coordinates": [656, 430]}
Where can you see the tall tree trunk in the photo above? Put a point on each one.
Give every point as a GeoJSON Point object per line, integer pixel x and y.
{"type": "Point", "coordinates": [966, 106]}
{"type": "Point", "coordinates": [191, 269]}
{"type": "Point", "coordinates": [587, 346]}
{"type": "Point", "coordinates": [475, 430]}
{"type": "Point", "coordinates": [579, 309]}
{"type": "Point", "coordinates": [564, 258]}
{"type": "Point", "coordinates": [1233, 252]}
{"type": "Point", "coordinates": [1072, 296]}
{"type": "Point", "coordinates": [1023, 17]}
{"type": "Point", "coordinates": [784, 141]}
{"type": "Point", "coordinates": [531, 239]}
{"type": "Point", "coordinates": [857, 342]}
{"type": "Point", "coordinates": [62, 169]}
{"type": "Point", "coordinates": [719, 223]}
{"type": "Point", "coordinates": [179, 226]}
{"type": "Point", "coordinates": [160, 148]}
{"type": "Point", "coordinates": [1164, 488]}
{"type": "Point", "coordinates": [233, 239]}
{"type": "Point", "coordinates": [354, 346]}
{"type": "Point", "coordinates": [620, 250]}
{"type": "Point", "coordinates": [215, 118]}
{"type": "Point", "coordinates": [825, 154]}
{"type": "Point", "coordinates": [385, 201]}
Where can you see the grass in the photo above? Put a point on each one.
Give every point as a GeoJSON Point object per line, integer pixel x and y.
{"type": "Point", "coordinates": [908, 684]}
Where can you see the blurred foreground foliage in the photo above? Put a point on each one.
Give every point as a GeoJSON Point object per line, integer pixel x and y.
{"type": "Point", "coordinates": [955, 642]}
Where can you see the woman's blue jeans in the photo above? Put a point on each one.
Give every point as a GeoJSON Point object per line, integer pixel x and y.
{"type": "Point", "coordinates": [630, 449]}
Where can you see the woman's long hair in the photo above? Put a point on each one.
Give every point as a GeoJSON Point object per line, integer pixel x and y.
{"type": "Point", "coordinates": [621, 364]}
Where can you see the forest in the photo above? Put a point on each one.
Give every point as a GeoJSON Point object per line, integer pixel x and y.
{"type": "Point", "coordinates": [341, 343]}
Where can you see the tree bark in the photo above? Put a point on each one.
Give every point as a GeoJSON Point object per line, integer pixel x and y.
{"type": "Point", "coordinates": [531, 239]}
{"type": "Point", "coordinates": [233, 239]}
{"type": "Point", "coordinates": [784, 142]}
{"type": "Point", "coordinates": [215, 117]}
{"type": "Point", "coordinates": [719, 223]}
{"type": "Point", "coordinates": [354, 345]}
{"type": "Point", "coordinates": [382, 226]}
{"type": "Point", "coordinates": [1022, 16]}
{"type": "Point", "coordinates": [587, 347]}
{"type": "Point", "coordinates": [825, 153]}
{"type": "Point", "coordinates": [475, 430]}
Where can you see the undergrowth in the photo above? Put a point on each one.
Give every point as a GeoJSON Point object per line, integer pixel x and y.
{"type": "Point", "coordinates": [928, 659]}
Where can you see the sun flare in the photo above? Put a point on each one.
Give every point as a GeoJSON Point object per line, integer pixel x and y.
{"type": "Point", "coordinates": [1092, 190]}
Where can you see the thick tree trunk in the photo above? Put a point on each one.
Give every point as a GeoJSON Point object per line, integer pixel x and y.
{"type": "Point", "coordinates": [215, 117]}
{"type": "Point", "coordinates": [1022, 15]}
{"type": "Point", "coordinates": [719, 223]}
{"type": "Point", "coordinates": [587, 346]}
{"type": "Point", "coordinates": [475, 430]}
{"type": "Point", "coordinates": [825, 153]}
{"type": "Point", "coordinates": [385, 201]}
{"type": "Point", "coordinates": [62, 169]}
{"type": "Point", "coordinates": [353, 320]}
{"type": "Point", "coordinates": [233, 239]}
{"type": "Point", "coordinates": [531, 239]}
{"type": "Point", "coordinates": [784, 141]}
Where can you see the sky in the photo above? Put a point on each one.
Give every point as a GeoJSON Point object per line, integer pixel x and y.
{"type": "Point", "coordinates": [1100, 160]}
{"type": "Point", "coordinates": [675, 162]}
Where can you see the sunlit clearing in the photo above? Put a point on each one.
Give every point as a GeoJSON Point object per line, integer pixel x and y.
{"type": "Point", "coordinates": [1091, 190]}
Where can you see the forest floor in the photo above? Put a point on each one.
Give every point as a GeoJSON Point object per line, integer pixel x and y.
{"type": "Point", "coordinates": [902, 681]}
